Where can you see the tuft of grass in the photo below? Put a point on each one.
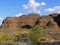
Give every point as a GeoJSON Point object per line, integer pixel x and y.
{"type": "Point", "coordinates": [6, 37]}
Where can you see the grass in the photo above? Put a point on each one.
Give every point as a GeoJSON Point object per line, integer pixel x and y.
{"type": "Point", "coordinates": [37, 33]}
{"type": "Point", "coordinates": [22, 34]}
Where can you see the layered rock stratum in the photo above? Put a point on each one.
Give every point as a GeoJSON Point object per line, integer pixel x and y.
{"type": "Point", "coordinates": [30, 20]}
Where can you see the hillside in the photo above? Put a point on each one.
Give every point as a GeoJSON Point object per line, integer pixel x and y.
{"type": "Point", "coordinates": [30, 29]}
{"type": "Point", "coordinates": [31, 20]}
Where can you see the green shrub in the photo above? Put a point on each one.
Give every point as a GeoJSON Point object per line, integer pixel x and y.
{"type": "Point", "coordinates": [37, 33]}
{"type": "Point", "coordinates": [34, 34]}
{"type": "Point", "coordinates": [6, 37]}
{"type": "Point", "coordinates": [38, 30]}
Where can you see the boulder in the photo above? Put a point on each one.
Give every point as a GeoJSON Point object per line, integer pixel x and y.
{"type": "Point", "coordinates": [54, 15]}
{"type": "Point", "coordinates": [28, 20]}
{"type": "Point", "coordinates": [47, 21]}
{"type": "Point", "coordinates": [56, 18]}
{"type": "Point", "coordinates": [10, 22]}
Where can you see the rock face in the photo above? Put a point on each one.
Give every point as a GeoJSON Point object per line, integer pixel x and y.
{"type": "Point", "coordinates": [47, 22]}
{"type": "Point", "coordinates": [10, 22]}
{"type": "Point", "coordinates": [31, 20]}
{"type": "Point", "coordinates": [56, 18]}
{"type": "Point", "coordinates": [27, 21]}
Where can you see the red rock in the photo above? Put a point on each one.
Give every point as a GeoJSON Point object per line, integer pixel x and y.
{"type": "Point", "coordinates": [15, 22]}
{"type": "Point", "coordinates": [31, 20]}
{"type": "Point", "coordinates": [47, 21]}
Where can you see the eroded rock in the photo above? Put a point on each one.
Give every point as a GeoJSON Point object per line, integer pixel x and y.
{"type": "Point", "coordinates": [24, 20]}
{"type": "Point", "coordinates": [47, 21]}
{"type": "Point", "coordinates": [30, 20]}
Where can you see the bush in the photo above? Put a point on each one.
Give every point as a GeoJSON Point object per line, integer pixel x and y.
{"type": "Point", "coordinates": [37, 33]}
{"type": "Point", "coordinates": [6, 37]}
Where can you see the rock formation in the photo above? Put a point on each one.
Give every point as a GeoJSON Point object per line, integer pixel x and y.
{"type": "Point", "coordinates": [30, 20]}
{"type": "Point", "coordinates": [56, 18]}
{"type": "Point", "coordinates": [27, 21]}
{"type": "Point", "coordinates": [10, 22]}
{"type": "Point", "coordinates": [47, 22]}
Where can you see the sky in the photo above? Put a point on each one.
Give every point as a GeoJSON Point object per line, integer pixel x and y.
{"type": "Point", "coordinates": [20, 7]}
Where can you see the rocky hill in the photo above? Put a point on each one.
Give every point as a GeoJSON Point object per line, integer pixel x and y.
{"type": "Point", "coordinates": [30, 20]}
{"type": "Point", "coordinates": [30, 29]}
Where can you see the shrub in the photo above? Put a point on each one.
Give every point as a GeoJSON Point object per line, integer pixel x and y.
{"type": "Point", "coordinates": [6, 37]}
{"type": "Point", "coordinates": [37, 33]}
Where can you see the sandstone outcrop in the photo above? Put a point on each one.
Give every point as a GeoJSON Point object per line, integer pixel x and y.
{"type": "Point", "coordinates": [10, 22]}
{"type": "Point", "coordinates": [27, 21]}
{"type": "Point", "coordinates": [30, 20]}
{"type": "Point", "coordinates": [56, 18]}
{"type": "Point", "coordinates": [47, 22]}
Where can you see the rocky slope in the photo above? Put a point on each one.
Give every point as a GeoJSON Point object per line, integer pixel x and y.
{"type": "Point", "coordinates": [35, 29]}
{"type": "Point", "coordinates": [30, 20]}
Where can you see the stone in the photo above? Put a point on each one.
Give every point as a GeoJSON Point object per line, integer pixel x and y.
{"type": "Point", "coordinates": [22, 21]}
{"type": "Point", "coordinates": [47, 21]}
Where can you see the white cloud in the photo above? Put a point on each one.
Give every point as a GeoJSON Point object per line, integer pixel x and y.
{"type": "Point", "coordinates": [32, 6]}
{"type": "Point", "coordinates": [19, 14]}
{"type": "Point", "coordinates": [55, 9]}
{"type": "Point", "coordinates": [1, 18]}
{"type": "Point", "coordinates": [43, 4]}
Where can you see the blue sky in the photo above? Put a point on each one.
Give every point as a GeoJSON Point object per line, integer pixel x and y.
{"type": "Point", "coordinates": [19, 7]}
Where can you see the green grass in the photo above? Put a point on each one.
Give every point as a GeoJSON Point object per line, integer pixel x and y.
{"type": "Point", "coordinates": [34, 34]}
